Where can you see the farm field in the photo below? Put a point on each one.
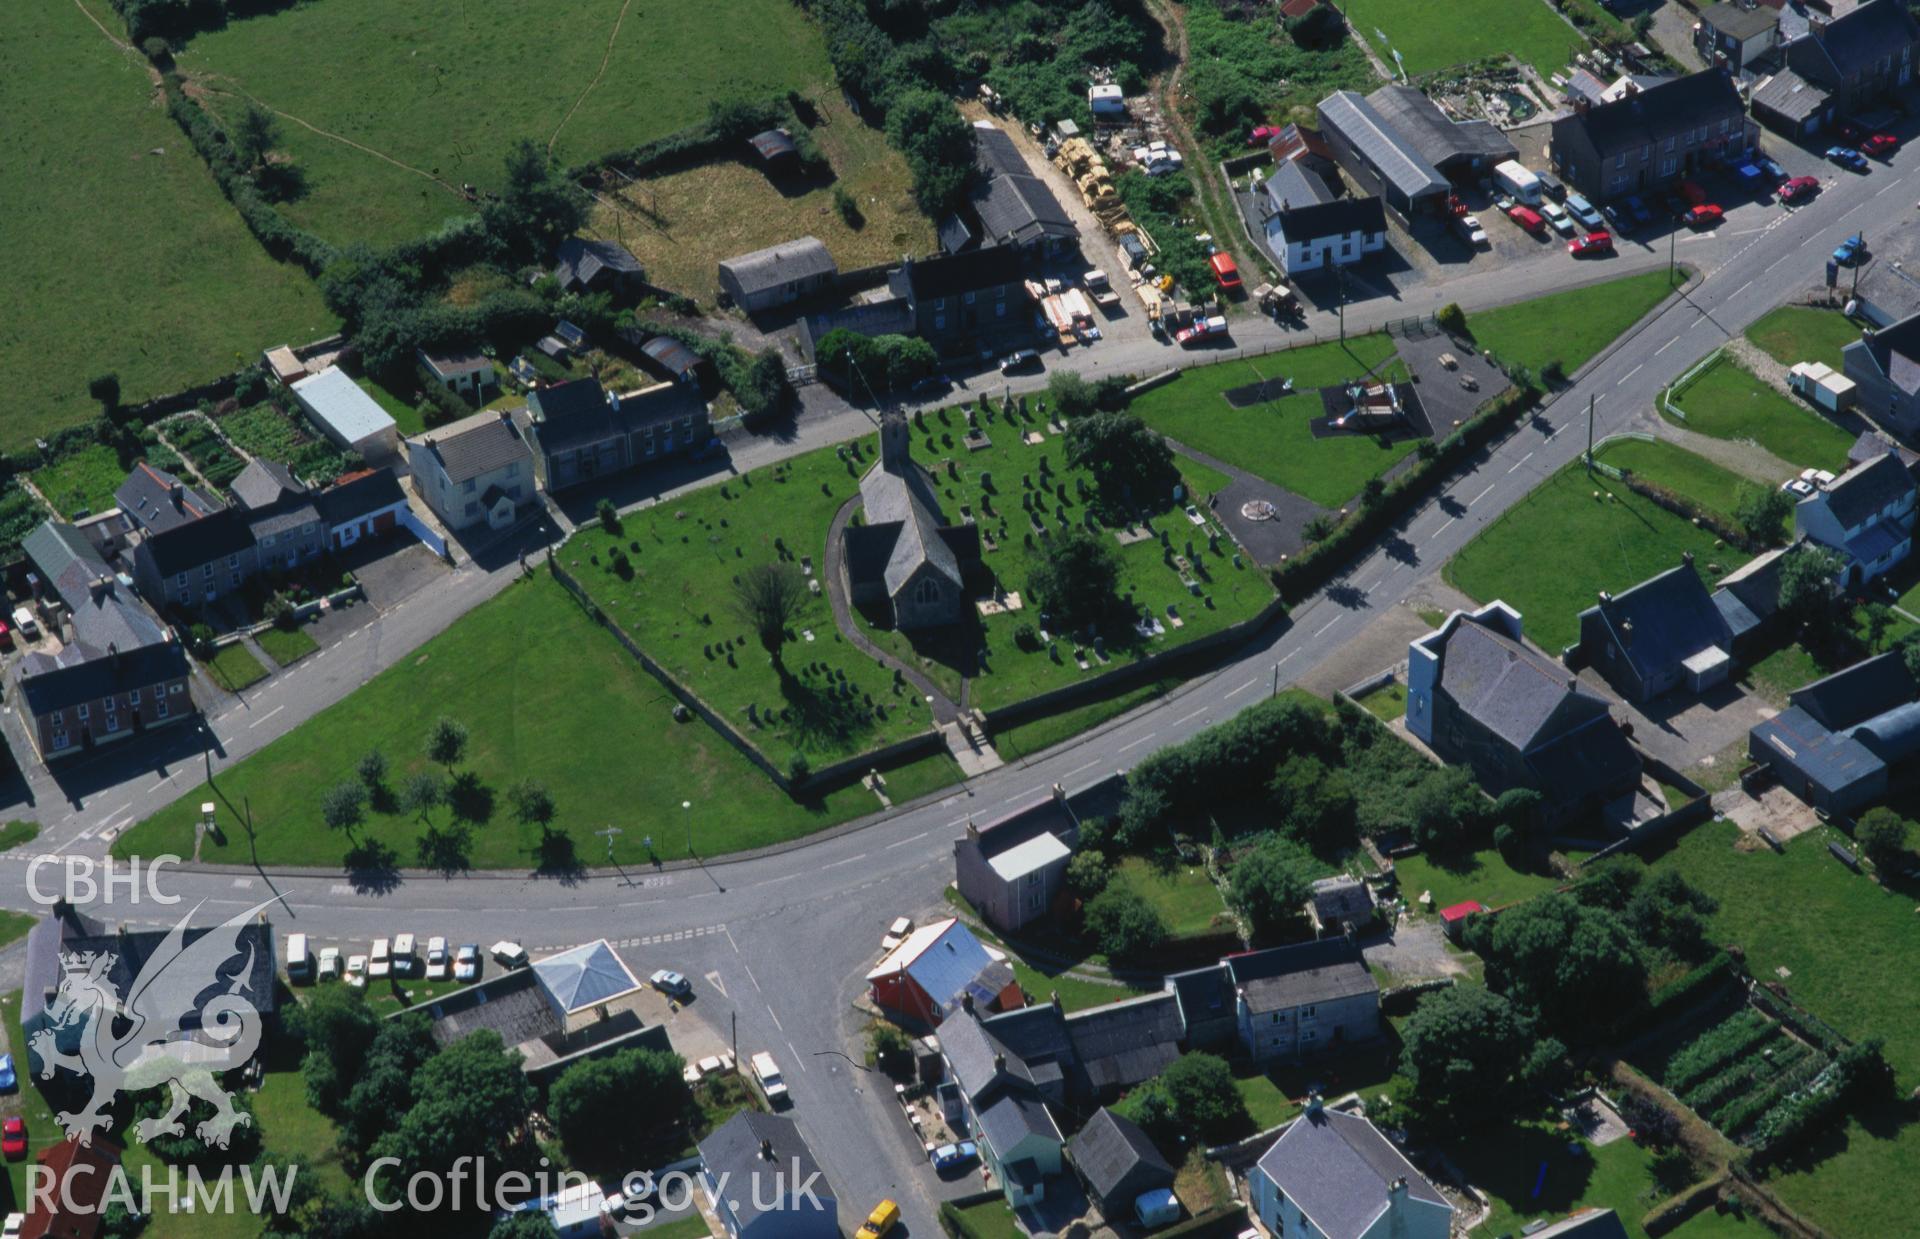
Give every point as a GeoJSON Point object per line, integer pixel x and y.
{"type": "Point", "coordinates": [1727, 402]}
{"type": "Point", "coordinates": [1794, 333]}
{"type": "Point", "coordinates": [173, 292]}
{"type": "Point", "coordinates": [551, 724]}
{"type": "Point", "coordinates": [1432, 36]}
{"type": "Point", "coordinates": [1610, 543]}
{"type": "Point", "coordinates": [448, 92]}
{"type": "Point", "coordinates": [681, 225]}
{"type": "Point", "coordinates": [1568, 327]}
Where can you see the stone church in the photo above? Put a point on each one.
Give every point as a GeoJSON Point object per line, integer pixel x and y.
{"type": "Point", "coordinates": [906, 561]}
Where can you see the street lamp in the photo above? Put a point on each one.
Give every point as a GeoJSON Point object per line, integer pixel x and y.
{"type": "Point", "coordinates": [688, 805]}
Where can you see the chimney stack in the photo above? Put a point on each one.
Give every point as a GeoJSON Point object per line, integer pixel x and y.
{"type": "Point", "coordinates": [1397, 1188]}
{"type": "Point", "coordinates": [766, 1150]}
{"type": "Point", "coordinates": [966, 1002]}
{"type": "Point", "coordinates": [999, 1062]}
{"type": "Point", "coordinates": [1053, 996]}
{"type": "Point", "coordinates": [1686, 557]}
{"type": "Point", "coordinates": [1626, 632]}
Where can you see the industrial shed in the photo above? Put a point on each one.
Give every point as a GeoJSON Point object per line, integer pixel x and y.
{"type": "Point", "coordinates": [1458, 149]}
{"type": "Point", "coordinates": [1377, 155]}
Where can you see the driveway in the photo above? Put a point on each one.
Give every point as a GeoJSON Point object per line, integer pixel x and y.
{"type": "Point", "coordinates": [1414, 950]}
{"type": "Point", "coordinates": [401, 568]}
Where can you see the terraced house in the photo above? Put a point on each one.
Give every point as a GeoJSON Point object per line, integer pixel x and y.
{"type": "Point", "coordinates": [579, 431]}
{"type": "Point", "coordinates": [1651, 139]}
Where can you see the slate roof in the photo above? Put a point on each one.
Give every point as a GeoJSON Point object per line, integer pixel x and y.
{"type": "Point", "coordinates": [1112, 1153]}
{"type": "Point", "coordinates": [584, 977]}
{"type": "Point", "coordinates": [1435, 136]}
{"type": "Point", "coordinates": [658, 405]}
{"type": "Point", "coordinates": [56, 547]}
{"type": "Point", "coordinates": [158, 501]}
{"type": "Point", "coordinates": [950, 275]}
{"type": "Point", "coordinates": [1873, 443]}
{"type": "Point", "coordinates": [1664, 620]}
{"type": "Point", "coordinates": [451, 362]}
{"type": "Point", "coordinates": [734, 1150]}
{"type": "Point", "coordinates": [1750, 594]}
{"type": "Point", "coordinates": [905, 501]}
{"type": "Point", "coordinates": [358, 495]}
{"type": "Point", "coordinates": [1509, 689]}
{"type": "Point", "coordinates": [264, 483]}
{"type": "Point", "coordinates": [117, 645]}
{"type": "Point", "coordinates": [474, 446]}
{"type": "Point", "coordinates": [1292, 188]}
{"type": "Point", "coordinates": [1014, 1116]}
{"type": "Point", "coordinates": [1308, 972]}
{"type": "Point", "coordinates": [1829, 759]}
{"type": "Point", "coordinates": [336, 402]}
{"type": "Point", "coordinates": [1342, 898]}
{"type": "Point", "coordinates": [1336, 218]}
{"type": "Point", "coordinates": [1855, 42]}
{"type": "Point", "coordinates": [1035, 1034]}
{"type": "Point", "coordinates": [1204, 993]}
{"type": "Point", "coordinates": [1790, 95]}
{"type": "Point", "coordinates": [578, 259]}
{"type": "Point", "coordinates": [971, 1051]}
{"type": "Point", "coordinates": [1893, 349]}
{"type": "Point", "coordinates": [1594, 758]}
{"type": "Point", "coordinates": [73, 932]}
{"type": "Point", "coordinates": [1338, 1169]}
{"type": "Point", "coordinates": [1122, 1044]}
{"type": "Point", "coordinates": [1740, 23]}
{"type": "Point", "coordinates": [802, 259]}
{"type": "Point", "coordinates": [208, 540]}
{"type": "Point", "coordinates": [1658, 112]}
{"type": "Point", "coordinates": [1391, 151]}
{"type": "Point", "coordinates": [572, 414]}
{"type": "Point", "coordinates": [1044, 814]}
{"type": "Point", "coordinates": [1858, 693]}
{"type": "Point", "coordinates": [1015, 207]}
{"type": "Point", "coordinates": [1857, 495]}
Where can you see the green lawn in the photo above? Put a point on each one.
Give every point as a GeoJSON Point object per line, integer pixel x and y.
{"type": "Point", "coordinates": [1043, 733]}
{"type": "Point", "coordinates": [1184, 895]}
{"type": "Point", "coordinates": [173, 290]}
{"type": "Point", "coordinates": [1202, 480]}
{"type": "Point", "coordinates": [1795, 333]}
{"type": "Point", "coordinates": [1506, 1163]}
{"type": "Point", "coordinates": [1728, 402]}
{"type": "Point", "coordinates": [1387, 703]}
{"type": "Point", "coordinates": [570, 709]}
{"type": "Point", "coordinates": [1713, 487]}
{"type": "Point", "coordinates": [1610, 543]}
{"type": "Point", "coordinates": [83, 482]}
{"type": "Point", "coordinates": [1272, 440]}
{"type": "Point", "coordinates": [1432, 36]}
{"type": "Point", "coordinates": [1274, 1096]}
{"type": "Point", "coordinates": [292, 1127]}
{"type": "Point", "coordinates": [14, 925]}
{"type": "Point", "coordinates": [1827, 1183]}
{"type": "Point", "coordinates": [449, 92]}
{"type": "Point", "coordinates": [286, 645]}
{"type": "Point", "coordinates": [16, 833]}
{"type": "Point", "coordinates": [1568, 327]}
{"type": "Point", "coordinates": [990, 1219]}
{"type": "Point", "coordinates": [1484, 876]}
{"type": "Point", "coordinates": [235, 667]}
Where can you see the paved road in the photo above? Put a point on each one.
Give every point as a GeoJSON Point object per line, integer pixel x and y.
{"type": "Point", "coordinates": [781, 941]}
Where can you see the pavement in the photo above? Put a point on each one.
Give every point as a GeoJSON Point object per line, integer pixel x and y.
{"type": "Point", "coordinates": [780, 940]}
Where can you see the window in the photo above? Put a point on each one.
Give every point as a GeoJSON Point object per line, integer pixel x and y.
{"type": "Point", "coordinates": [927, 592]}
{"type": "Point", "coordinates": [1307, 1013]}
{"type": "Point", "coordinates": [233, 561]}
{"type": "Point", "coordinates": [1668, 166]}
{"type": "Point", "coordinates": [60, 740]}
{"type": "Point", "coordinates": [1620, 160]}
{"type": "Point", "coordinates": [133, 699]}
{"type": "Point", "coordinates": [1670, 144]}
{"type": "Point", "coordinates": [1000, 310]}
{"type": "Point", "coordinates": [939, 322]}
{"type": "Point", "coordinates": [266, 539]}
{"type": "Point", "coordinates": [206, 570]}
{"type": "Point", "coordinates": [83, 711]}
{"type": "Point", "coordinates": [186, 596]}
{"type": "Point", "coordinates": [239, 577]}
{"type": "Point", "coordinates": [1036, 901]}
{"type": "Point", "coordinates": [176, 690]}
{"type": "Point", "coordinates": [113, 721]}
{"type": "Point", "coordinates": [160, 704]}
{"type": "Point", "coordinates": [466, 487]}
{"type": "Point", "coordinates": [181, 580]}
{"type": "Point", "coordinates": [512, 469]}
{"type": "Point", "coordinates": [473, 507]}
{"type": "Point", "coordinates": [968, 298]}
{"type": "Point", "coordinates": [1033, 879]}
{"type": "Point", "coordinates": [1309, 1035]}
{"type": "Point", "coordinates": [1646, 152]}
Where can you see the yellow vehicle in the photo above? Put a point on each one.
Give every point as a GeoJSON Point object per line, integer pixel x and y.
{"type": "Point", "coordinates": [880, 1221]}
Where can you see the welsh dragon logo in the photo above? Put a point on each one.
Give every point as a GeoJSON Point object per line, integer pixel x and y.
{"type": "Point", "coordinates": [150, 1036]}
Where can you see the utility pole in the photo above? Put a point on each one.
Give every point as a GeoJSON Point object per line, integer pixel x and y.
{"type": "Point", "coordinates": [1276, 679]}
{"type": "Point", "coordinates": [1672, 241]}
{"type": "Point", "coordinates": [609, 834]}
{"type": "Point", "coordinates": [1340, 274]}
{"type": "Point", "coordinates": [687, 805]}
{"type": "Point", "coordinates": [734, 1035]}
{"type": "Point", "coordinates": [1591, 400]}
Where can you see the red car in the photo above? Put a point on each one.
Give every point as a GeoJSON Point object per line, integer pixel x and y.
{"type": "Point", "coordinates": [1799, 187]}
{"type": "Point", "coordinates": [13, 1139]}
{"type": "Point", "coordinates": [1591, 245]}
{"type": "Point", "coordinates": [1694, 195]}
{"type": "Point", "coordinates": [1263, 134]}
{"type": "Point", "coordinates": [1879, 144]}
{"type": "Point", "coordinates": [1705, 215]}
{"type": "Point", "coordinates": [1529, 219]}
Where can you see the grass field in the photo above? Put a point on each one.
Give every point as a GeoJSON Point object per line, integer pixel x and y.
{"type": "Point", "coordinates": [1201, 480]}
{"type": "Point", "coordinates": [1484, 876]}
{"type": "Point", "coordinates": [172, 291]}
{"type": "Point", "coordinates": [285, 645]}
{"type": "Point", "coordinates": [1569, 327]}
{"type": "Point", "coordinates": [83, 482]}
{"type": "Point", "coordinates": [1432, 36]}
{"type": "Point", "coordinates": [1727, 402]}
{"type": "Point", "coordinates": [1714, 488]}
{"type": "Point", "coordinates": [1272, 440]}
{"type": "Point", "coordinates": [448, 92]}
{"type": "Point", "coordinates": [235, 667]}
{"type": "Point", "coordinates": [566, 709]}
{"type": "Point", "coordinates": [16, 833]}
{"type": "Point", "coordinates": [1795, 333]}
{"type": "Point", "coordinates": [1184, 895]}
{"type": "Point", "coordinates": [1608, 543]}
{"type": "Point", "coordinates": [681, 225]}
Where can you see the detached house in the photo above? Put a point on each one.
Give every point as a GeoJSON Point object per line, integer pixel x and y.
{"type": "Point", "coordinates": [579, 431]}
{"type": "Point", "coordinates": [1013, 867]}
{"type": "Point", "coordinates": [1652, 138]}
{"type": "Point", "coordinates": [1478, 695]}
{"type": "Point", "coordinates": [1309, 227]}
{"type": "Point", "coordinates": [1736, 35]}
{"type": "Point", "coordinates": [475, 471]}
{"type": "Point", "coordinates": [1885, 368]}
{"type": "Point", "coordinates": [1865, 516]}
{"type": "Point", "coordinates": [1664, 633]}
{"type": "Point", "coordinates": [956, 298]}
{"type": "Point", "coordinates": [1332, 1175]}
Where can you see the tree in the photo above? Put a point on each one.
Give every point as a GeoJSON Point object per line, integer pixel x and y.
{"type": "Point", "coordinates": [1077, 580]}
{"type": "Point", "coordinates": [470, 1100]}
{"type": "Point", "coordinates": [1461, 1046]}
{"type": "Point", "coordinates": [1521, 808]}
{"type": "Point", "coordinates": [373, 770]}
{"type": "Point", "coordinates": [937, 141]}
{"type": "Point", "coordinates": [1194, 1096]}
{"type": "Point", "coordinates": [382, 1090]}
{"type": "Point", "coordinates": [593, 1103]}
{"type": "Point", "coordinates": [1762, 513]}
{"type": "Point", "coordinates": [762, 388]}
{"type": "Point", "coordinates": [446, 742]}
{"type": "Point", "coordinates": [1883, 835]}
{"type": "Point", "coordinates": [105, 388]}
{"type": "Point", "coordinates": [422, 793]}
{"type": "Point", "coordinates": [1270, 886]}
{"type": "Point", "coordinates": [254, 135]}
{"type": "Point", "coordinates": [1667, 913]}
{"type": "Point", "coordinates": [538, 206]}
{"type": "Point", "coordinates": [1088, 873]}
{"type": "Point", "coordinates": [526, 1224]}
{"type": "Point", "coordinates": [1316, 803]}
{"type": "Point", "coordinates": [1547, 1069]}
{"type": "Point", "coordinates": [336, 1027]}
{"type": "Point", "coordinates": [1070, 394]}
{"type": "Point", "coordinates": [532, 803]}
{"type": "Point", "coordinates": [344, 807]}
{"type": "Point", "coordinates": [1452, 319]}
{"type": "Point", "coordinates": [1131, 464]}
{"type": "Point", "coordinates": [1123, 925]}
{"type": "Point", "coordinates": [769, 597]}
{"type": "Point", "coordinates": [1807, 574]}
{"type": "Point", "coordinates": [1577, 965]}
{"type": "Point", "coordinates": [1876, 617]}
{"type": "Point", "coordinates": [1448, 810]}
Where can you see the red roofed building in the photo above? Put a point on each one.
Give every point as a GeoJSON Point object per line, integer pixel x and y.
{"type": "Point", "coordinates": [80, 1173]}
{"type": "Point", "coordinates": [930, 975]}
{"type": "Point", "coordinates": [1456, 915]}
{"type": "Point", "coordinates": [1298, 8]}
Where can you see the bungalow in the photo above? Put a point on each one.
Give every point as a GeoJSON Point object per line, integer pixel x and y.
{"type": "Point", "coordinates": [464, 372]}
{"type": "Point", "coordinates": [1885, 368]}
{"type": "Point", "coordinates": [762, 1181]}
{"type": "Point", "coordinates": [346, 414]}
{"type": "Point", "coordinates": [778, 275]}
{"type": "Point", "coordinates": [584, 266]}
{"type": "Point", "coordinates": [939, 968]}
{"type": "Point", "coordinates": [1119, 1165]}
{"type": "Point", "coordinates": [1866, 517]}
{"type": "Point", "coordinates": [1652, 138]}
{"type": "Point", "coordinates": [1841, 740]}
{"type": "Point", "coordinates": [1332, 1175]}
{"type": "Point", "coordinates": [1664, 633]}
{"type": "Point", "coordinates": [475, 470]}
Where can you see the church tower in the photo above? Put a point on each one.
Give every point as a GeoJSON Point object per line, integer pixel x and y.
{"type": "Point", "coordinates": [895, 441]}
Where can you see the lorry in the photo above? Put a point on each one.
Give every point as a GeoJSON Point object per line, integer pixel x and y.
{"type": "Point", "coordinates": [1512, 177]}
{"type": "Point", "coordinates": [1100, 288]}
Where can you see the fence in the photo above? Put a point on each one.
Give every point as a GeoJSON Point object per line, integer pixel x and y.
{"type": "Point", "coordinates": [1681, 384]}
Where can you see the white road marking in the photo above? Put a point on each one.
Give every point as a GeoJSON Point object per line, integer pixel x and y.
{"type": "Point", "coordinates": [1436, 533]}
{"type": "Point", "coordinates": [1077, 769]}
{"type": "Point", "coordinates": [1664, 347]}
{"type": "Point", "coordinates": [848, 861]}
{"type": "Point", "coordinates": [713, 979]}
{"type": "Point", "coordinates": [1137, 743]}
{"type": "Point", "coordinates": [900, 843]}
{"type": "Point", "coordinates": [1743, 288]}
{"type": "Point", "coordinates": [264, 717]}
{"type": "Point", "coordinates": [776, 1019]}
{"type": "Point", "coordinates": [1244, 687]}
{"type": "Point", "coordinates": [1523, 460]}
{"type": "Point", "coordinates": [1482, 495]}
{"type": "Point", "coordinates": [1330, 623]}
{"type": "Point", "coordinates": [1629, 374]}
{"type": "Point", "coordinates": [1189, 717]}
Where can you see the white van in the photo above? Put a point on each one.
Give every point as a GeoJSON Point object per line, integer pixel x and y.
{"type": "Point", "coordinates": [24, 624]}
{"type": "Point", "coordinates": [299, 960]}
{"type": "Point", "coordinates": [1514, 178]}
{"type": "Point", "coordinates": [404, 962]}
{"type": "Point", "coordinates": [329, 963]}
{"type": "Point", "coordinates": [381, 962]}
{"type": "Point", "coordinates": [767, 1072]}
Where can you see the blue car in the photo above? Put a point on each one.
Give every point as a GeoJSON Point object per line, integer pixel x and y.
{"type": "Point", "coordinates": [8, 1080]}
{"type": "Point", "coordinates": [954, 1156]}
{"type": "Point", "coordinates": [1847, 157]}
{"type": "Point", "coordinates": [1772, 169]}
{"type": "Point", "coordinates": [1851, 250]}
{"type": "Point", "coordinates": [1640, 213]}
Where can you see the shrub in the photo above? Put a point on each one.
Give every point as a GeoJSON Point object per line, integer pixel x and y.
{"type": "Point", "coordinates": [849, 209]}
{"type": "Point", "coordinates": [1452, 319]}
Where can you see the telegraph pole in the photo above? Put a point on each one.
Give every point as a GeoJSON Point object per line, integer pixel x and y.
{"type": "Point", "coordinates": [1591, 400]}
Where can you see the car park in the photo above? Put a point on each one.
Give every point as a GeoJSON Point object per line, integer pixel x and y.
{"type": "Point", "coordinates": [1847, 157]}
{"type": "Point", "coordinates": [1879, 145]}
{"type": "Point", "coordinates": [1593, 245]}
{"type": "Point", "coordinates": [1025, 359]}
{"type": "Point", "coordinates": [954, 1156]}
{"type": "Point", "coordinates": [1851, 251]}
{"type": "Point", "coordinates": [1528, 219]}
{"type": "Point", "coordinates": [13, 1138]}
{"type": "Point", "coordinates": [883, 1219]}
{"type": "Point", "coordinates": [1556, 216]}
{"type": "Point", "coordinates": [1470, 230]}
{"type": "Point", "coordinates": [671, 983]}
{"type": "Point", "coordinates": [1584, 214]}
{"type": "Point", "coordinates": [466, 963]}
{"type": "Point", "coordinates": [1799, 189]}
{"type": "Point", "coordinates": [437, 962]}
{"type": "Point", "coordinates": [1705, 215]}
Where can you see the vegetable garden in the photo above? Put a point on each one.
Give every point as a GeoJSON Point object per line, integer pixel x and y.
{"type": "Point", "coordinates": [1756, 1081]}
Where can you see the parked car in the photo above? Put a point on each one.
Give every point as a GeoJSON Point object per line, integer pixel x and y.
{"type": "Point", "coordinates": [954, 1156]}
{"type": "Point", "coordinates": [1799, 188]}
{"type": "Point", "coordinates": [1556, 215]}
{"type": "Point", "coordinates": [1593, 245]}
{"type": "Point", "coordinates": [1705, 215]}
{"type": "Point", "coordinates": [1528, 219]}
{"type": "Point", "coordinates": [466, 963]}
{"type": "Point", "coordinates": [1470, 230]}
{"type": "Point", "coordinates": [1851, 250]}
{"type": "Point", "coordinates": [1847, 157]}
{"type": "Point", "coordinates": [1202, 329]}
{"type": "Point", "coordinates": [25, 624]}
{"type": "Point", "coordinates": [509, 954]}
{"type": "Point", "coordinates": [1551, 186]}
{"type": "Point", "coordinates": [14, 1226]}
{"type": "Point", "coordinates": [9, 1079]}
{"type": "Point", "coordinates": [1798, 486]}
{"type": "Point", "coordinates": [1771, 168]}
{"type": "Point", "coordinates": [1025, 359]}
{"type": "Point", "coordinates": [1641, 215]}
{"type": "Point", "coordinates": [329, 969]}
{"type": "Point", "coordinates": [6, 637]}
{"type": "Point", "coordinates": [767, 1073]}
{"type": "Point", "coordinates": [1879, 145]}
{"type": "Point", "coordinates": [1225, 272]}
{"type": "Point", "coordinates": [1619, 219]}
{"type": "Point", "coordinates": [880, 1221]}
{"type": "Point", "coordinates": [1693, 193]}
{"type": "Point", "coordinates": [1583, 213]}
{"type": "Point", "coordinates": [1263, 134]}
{"type": "Point", "coordinates": [381, 963]}
{"type": "Point", "coordinates": [405, 963]}
{"type": "Point", "coordinates": [437, 961]}
{"type": "Point", "coordinates": [671, 983]}
{"type": "Point", "coordinates": [356, 973]}
{"type": "Point", "coordinates": [13, 1138]}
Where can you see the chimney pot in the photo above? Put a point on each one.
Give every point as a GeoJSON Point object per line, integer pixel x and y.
{"type": "Point", "coordinates": [1686, 557]}
{"type": "Point", "coordinates": [999, 1062]}
{"type": "Point", "coordinates": [766, 1150]}
{"type": "Point", "coordinates": [1053, 996]}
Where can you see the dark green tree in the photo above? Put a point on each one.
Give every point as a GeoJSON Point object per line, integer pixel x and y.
{"type": "Point", "coordinates": [344, 807]}
{"type": "Point", "coordinates": [593, 1103]}
{"type": "Point", "coordinates": [447, 742]}
{"type": "Point", "coordinates": [335, 1026]}
{"type": "Point", "coordinates": [254, 135]}
{"type": "Point", "coordinates": [372, 771]}
{"type": "Point", "coordinates": [1807, 573]}
{"type": "Point", "coordinates": [383, 1089]}
{"type": "Point", "coordinates": [1667, 913]}
{"type": "Point", "coordinates": [1077, 580]}
{"type": "Point", "coordinates": [538, 206]}
{"type": "Point", "coordinates": [1762, 512]}
{"type": "Point", "coordinates": [1132, 466]}
{"type": "Point", "coordinates": [422, 793]}
{"type": "Point", "coordinates": [105, 388]}
{"type": "Point", "coordinates": [1123, 925]}
{"type": "Point", "coordinates": [938, 143]}
{"type": "Point", "coordinates": [1270, 886]}
{"type": "Point", "coordinates": [1577, 965]}
{"type": "Point", "coordinates": [1195, 1096]}
{"type": "Point", "coordinates": [1460, 1050]}
{"type": "Point", "coordinates": [470, 1099]}
{"type": "Point", "coordinates": [1448, 810]}
{"type": "Point", "coordinates": [532, 803]}
{"type": "Point", "coordinates": [769, 597]}
{"type": "Point", "coordinates": [1883, 835]}
{"type": "Point", "coordinates": [1316, 803]}
{"type": "Point", "coordinates": [526, 1224]}
{"type": "Point", "coordinates": [1088, 873]}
